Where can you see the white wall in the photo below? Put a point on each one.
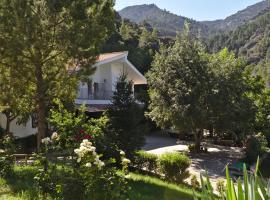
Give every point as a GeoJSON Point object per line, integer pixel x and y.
{"type": "Point", "coordinates": [20, 131]}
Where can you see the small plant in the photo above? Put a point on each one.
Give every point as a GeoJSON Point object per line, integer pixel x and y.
{"type": "Point", "coordinates": [253, 149]}
{"type": "Point", "coordinates": [251, 188]}
{"type": "Point", "coordinates": [194, 182]}
{"type": "Point", "coordinates": [6, 157]}
{"type": "Point", "coordinates": [191, 147]}
{"type": "Point", "coordinates": [145, 160]}
{"type": "Point", "coordinates": [174, 166]}
{"type": "Point", "coordinates": [221, 186]}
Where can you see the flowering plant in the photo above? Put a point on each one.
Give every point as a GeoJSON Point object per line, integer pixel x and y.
{"type": "Point", "coordinates": [87, 155]}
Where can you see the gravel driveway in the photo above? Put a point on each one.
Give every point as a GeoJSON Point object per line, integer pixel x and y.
{"type": "Point", "coordinates": [213, 162]}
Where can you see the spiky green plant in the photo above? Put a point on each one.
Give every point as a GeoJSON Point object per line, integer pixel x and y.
{"type": "Point", "coordinates": [252, 187]}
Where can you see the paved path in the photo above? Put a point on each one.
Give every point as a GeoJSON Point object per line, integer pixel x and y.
{"type": "Point", "coordinates": [213, 162]}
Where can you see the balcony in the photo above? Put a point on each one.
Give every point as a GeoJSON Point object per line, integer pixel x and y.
{"type": "Point", "coordinates": [98, 97]}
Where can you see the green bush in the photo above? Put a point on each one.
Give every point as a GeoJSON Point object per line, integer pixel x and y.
{"type": "Point", "coordinates": [6, 165]}
{"type": "Point", "coordinates": [194, 182]}
{"type": "Point", "coordinates": [174, 166]}
{"type": "Point", "coordinates": [145, 160]}
{"type": "Point", "coordinates": [2, 132]}
{"type": "Point", "coordinates": [253, 149]}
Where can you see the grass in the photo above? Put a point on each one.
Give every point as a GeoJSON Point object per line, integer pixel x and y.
{"type": "Point", "coordinates": [21, 187]}
{"type": "Point", "coordinates": [149, 188]}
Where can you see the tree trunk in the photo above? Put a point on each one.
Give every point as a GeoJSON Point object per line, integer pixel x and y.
{"type": "Point", "coordinates": [7, 124]}
{"type": "Point", "coordinates": [211, 132]}
{"type": "Point", "coordinates": [198, 138]}
{"type": "Point", "coordinates": [9, 118]}
{"type": "Point", "coordinates": [41, 106]}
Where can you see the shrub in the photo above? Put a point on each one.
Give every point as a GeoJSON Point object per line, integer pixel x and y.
{"type": "Point", "coordinates": [2, 132]}
{"type": "Point", "coordinates": [174, 166]}
{"type": "Point", "coordinates": [220, 186]}
{"type": "Point", "coordinates": [6, 157]}
{"type": "Point", "coordinates": [191, 147]}
{"type": "Point", "coordinates": [6, 165]}
{"type": "Point", "coordinates": [145, 160]}
{"type": "Point", "coordinates": [253, 149]}
{"type": "Point", "coordinates": [194, 182]}
{"type": "Point", "coordinates": [126, 126]}
{"type": "Point", "coordinates": [261, 139]}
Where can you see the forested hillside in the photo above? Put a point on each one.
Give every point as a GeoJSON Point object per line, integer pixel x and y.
{"type": "Point", "coordinates": [141, 41]}
{"type": "Point", "coordinates": [239, 18]}
{"type": "Point", "coordinates": [168, 24]}
{"type": "Point", "coordinates": [250, 41]}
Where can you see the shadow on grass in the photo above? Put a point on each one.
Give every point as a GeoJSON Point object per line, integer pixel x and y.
{"type": "Point", "coordinates": [22, 182]}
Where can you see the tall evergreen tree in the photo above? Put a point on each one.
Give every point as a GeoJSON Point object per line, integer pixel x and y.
{"type": "Point", "coordinates": [126, 130]}
{"type": "Point", "coordinates": [39, 39]}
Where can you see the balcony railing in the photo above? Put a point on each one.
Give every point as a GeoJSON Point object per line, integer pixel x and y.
{"type": "Point", "coordinates": [98, 95]}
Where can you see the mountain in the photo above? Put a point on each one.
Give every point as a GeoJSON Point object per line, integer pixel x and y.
{"type": "Point", "coordinates": [240, 18]}
{"type": "Point", "coordinates": [168, 24]}
{"type": "Point", "coordinates": [250, 41]}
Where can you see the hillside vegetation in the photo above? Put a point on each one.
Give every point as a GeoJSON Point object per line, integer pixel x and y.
{"type": "Point", "coordinates": [169, 24]}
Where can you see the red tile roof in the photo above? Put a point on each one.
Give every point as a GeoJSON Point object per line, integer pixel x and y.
{"type": "Point", "coordinates": [107, 56]}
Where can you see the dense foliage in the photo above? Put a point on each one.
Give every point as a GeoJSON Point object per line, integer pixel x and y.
{"type": "Point", "coordinates": [141, 41]}
{"type": "Point", "coordinates": [213, 92]}
{"type": "Point", "coordinates": [250, 42]}
{"type": "Point", "coordinates": [251, 187]}
{"type": "Point", "coordinates": [40, 38]}
{"type": "Point", "coordinates": [169, 24]}
{"type": "Point", "coordinates": [125, 130]}
{"type": "Point", "coordinates": [174, 166]}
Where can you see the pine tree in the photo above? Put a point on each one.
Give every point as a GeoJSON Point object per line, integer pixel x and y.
{"type": "Point", "coordinates": [41, 38]}
{"type": "Point", "coordinates": [125, 130]}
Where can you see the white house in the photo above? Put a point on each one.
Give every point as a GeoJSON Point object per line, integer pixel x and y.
{"type": "Point", "coordinates": [97, 92]}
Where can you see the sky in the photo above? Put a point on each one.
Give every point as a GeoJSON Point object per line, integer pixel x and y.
{"type": "Point", "coordinates": [196, 9]}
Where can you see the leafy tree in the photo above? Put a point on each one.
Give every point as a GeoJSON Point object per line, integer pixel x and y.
{"type": "Point", "coordinates": [40, 39]}
{"type": "Point", "coordinates": [14, 101]}
{"type": "Point", "coordinates": [179, 86]}
{"type": "Point", "coordinates": [125, 130]}
{"type": "Point", "coordinates": [232, 110]}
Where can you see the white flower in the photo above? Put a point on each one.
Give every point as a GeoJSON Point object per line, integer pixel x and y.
{"type": "Point", "coordinates": [55, 136]}
{"type": "Point", "coordinates": [101, 164]}
{"type": "Point", "coordinates": [122, 153]}
{"type": "Point", "coordinates": [2, 151]}
{"type": "Point", "coordinates": [125, 161]}
{"type": "Point", "coordinates": [93, 149]}
{"type": "Point", "coordinates": [88, 165]}
{"type": "Point", "coordinates": [79, 160]}
{"type": "Point", "coordinates": [46, 140]}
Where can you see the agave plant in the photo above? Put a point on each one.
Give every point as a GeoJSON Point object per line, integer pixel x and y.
{"type": "Point", "coordinates": [252, 187]}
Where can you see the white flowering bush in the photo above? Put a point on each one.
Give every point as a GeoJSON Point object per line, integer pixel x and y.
{"type": "Point", "coordinates": [87, 155]}
{"type": "Point", "coordinates": [100, 181]}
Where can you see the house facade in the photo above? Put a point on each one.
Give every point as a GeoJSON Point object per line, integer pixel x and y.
{"type": "Point", "coordinates": [96, 92]}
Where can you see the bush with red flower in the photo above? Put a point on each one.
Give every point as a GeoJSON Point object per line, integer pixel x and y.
{"type": "Point", "coordinates": [73, 126]}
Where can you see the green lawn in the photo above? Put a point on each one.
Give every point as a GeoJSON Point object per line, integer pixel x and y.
{"type": "Point", "coordinates": [149, 188]}
{"type": "Point", "coordinates": [142, 187]}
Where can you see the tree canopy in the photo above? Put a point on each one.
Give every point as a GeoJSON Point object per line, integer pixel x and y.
{"type": "Point", "coordinates": [41, 38]}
